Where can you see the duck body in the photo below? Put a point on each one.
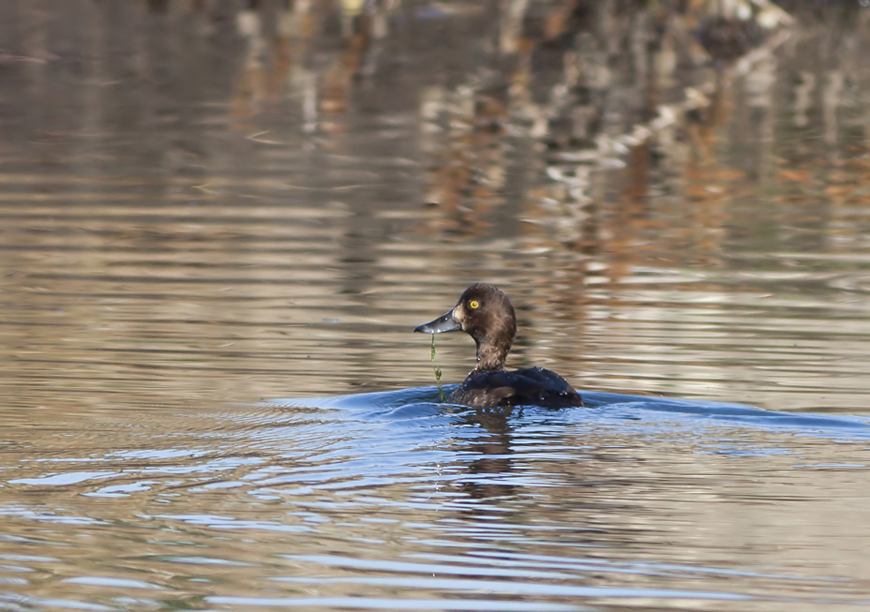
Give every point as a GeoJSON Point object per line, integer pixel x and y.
{"type": "Point", "coordinates": [525, 387]}
{"type": "Point", "coordinates": [487, 315]}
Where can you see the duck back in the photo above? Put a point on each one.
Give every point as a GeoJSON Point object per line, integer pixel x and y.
{"type": "Point", "coordinates": [526, 387]}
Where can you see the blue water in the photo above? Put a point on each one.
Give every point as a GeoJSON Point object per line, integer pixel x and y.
{"type": "Point", "coordinates": [426, 403]}
{"type": "Point", "coordinates": [393, 500]}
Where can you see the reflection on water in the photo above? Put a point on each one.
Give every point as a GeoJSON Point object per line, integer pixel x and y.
{"type": "Point", "coordinates": [389, 501]}
{"type": "Point", "coordinates": [207, 203]}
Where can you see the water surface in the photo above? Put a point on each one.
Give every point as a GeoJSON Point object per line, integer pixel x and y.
{"type": "Point", "coordinates": [205, 209]}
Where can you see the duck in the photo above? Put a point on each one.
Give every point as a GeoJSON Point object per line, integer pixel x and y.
{"type": "Point", "coordinates": [486, 314]}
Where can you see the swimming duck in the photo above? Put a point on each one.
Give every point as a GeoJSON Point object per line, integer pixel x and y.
{"type": "Point", "coordinates": [487, 315]}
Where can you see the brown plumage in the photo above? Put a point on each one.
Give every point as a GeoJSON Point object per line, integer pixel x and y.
{"type": "Point", "coordinates": [487, 315]}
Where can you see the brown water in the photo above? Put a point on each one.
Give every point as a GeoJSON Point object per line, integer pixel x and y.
{"type": "Point", "coordinates": [204, 207]}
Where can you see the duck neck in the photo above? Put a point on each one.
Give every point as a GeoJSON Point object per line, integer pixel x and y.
{"type": "Point", "coordinates": [490, 356]}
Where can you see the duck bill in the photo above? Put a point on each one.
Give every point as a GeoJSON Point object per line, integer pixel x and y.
{"type": "Point", "coordinates": [444, 323]}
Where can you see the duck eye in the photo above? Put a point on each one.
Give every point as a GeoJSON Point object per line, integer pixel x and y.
{"type": "Point", "coordinates": [474, 304]}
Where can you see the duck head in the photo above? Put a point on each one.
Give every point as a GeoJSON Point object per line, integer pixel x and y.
{"type": "Point", "coordinates": [486, 314]}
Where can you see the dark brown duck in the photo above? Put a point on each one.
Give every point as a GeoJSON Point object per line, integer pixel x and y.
{"type": "Point", "coordinates": [486, 314]}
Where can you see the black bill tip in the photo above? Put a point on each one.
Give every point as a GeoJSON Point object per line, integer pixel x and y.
{"type": "Point", "coordinates": [444, 323]}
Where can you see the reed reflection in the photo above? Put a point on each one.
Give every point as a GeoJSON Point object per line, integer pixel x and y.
{"type": "Point", "coordinates": [185, 152]}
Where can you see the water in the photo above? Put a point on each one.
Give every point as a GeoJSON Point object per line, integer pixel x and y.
{"type": "Point", "coordinates": [391, 501]}
{"type": "Point", "coordinates": [204, 210]}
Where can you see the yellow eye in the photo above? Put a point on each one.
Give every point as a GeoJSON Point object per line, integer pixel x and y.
{"type": "Point", "coordinates": [474, 304]}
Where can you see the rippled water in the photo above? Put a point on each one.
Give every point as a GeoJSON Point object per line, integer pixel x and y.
{"type": "Point", "coordinates": [391, 501]}
{"type": "Point", "coordinates": [205, 208]}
